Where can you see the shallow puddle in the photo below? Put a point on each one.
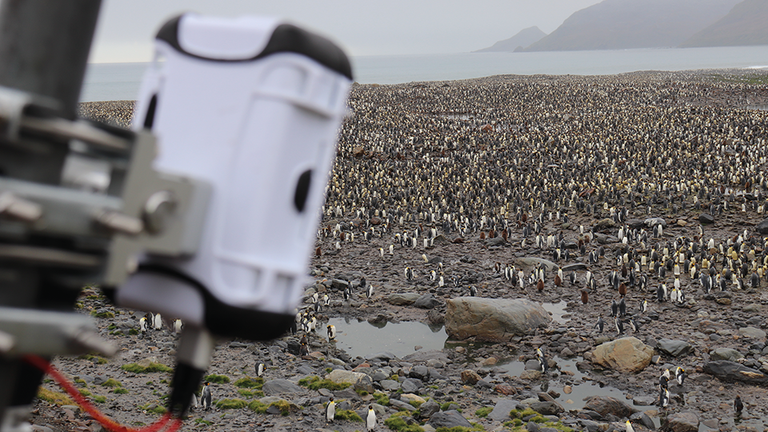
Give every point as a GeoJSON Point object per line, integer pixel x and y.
{"type": "Point", "coordinates": [360, 338]}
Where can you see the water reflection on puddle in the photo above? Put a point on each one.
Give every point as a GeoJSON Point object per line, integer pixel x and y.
{"type": "Point", "coordinates": [557, 310]}
{"type": "Point", "coordinates": [360, 338]}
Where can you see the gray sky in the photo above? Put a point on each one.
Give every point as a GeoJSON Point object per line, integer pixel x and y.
{"type": "Point", "coordinates": [362, 27]}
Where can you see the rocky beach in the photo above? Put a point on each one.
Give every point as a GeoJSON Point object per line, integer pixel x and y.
{"type": "Point", "coordinates": [475, 207]}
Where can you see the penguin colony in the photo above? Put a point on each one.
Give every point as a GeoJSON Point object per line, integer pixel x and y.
{"type": "Point", "coordinates": [575, 170]}
{"type": "Point", "coordinates": [617, 184]}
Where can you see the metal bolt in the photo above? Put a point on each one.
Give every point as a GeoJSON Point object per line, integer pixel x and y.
{"type": "Point", "coordinates": [19, 208]}
{"type": "Point", "coordinates": [119, 222]}
{"type": "Point", "coordinates": [158, 210]}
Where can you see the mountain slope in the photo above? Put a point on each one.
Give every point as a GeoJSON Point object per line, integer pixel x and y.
{"type": "Point", "coordinates": [745, 24]}
{"type": "Point", "coordinates": [624, 24]}
{"type": "Point", "coordinates": [521, 40]}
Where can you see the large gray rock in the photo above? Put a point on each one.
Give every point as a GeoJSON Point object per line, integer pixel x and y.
{"type": "Point", "coordinates": [359, 380]}
{"type": "Point", "coordinates": [529, 262]}
{"type": "Point", "coordinates": [448, 419]}
{"type": "Point", "coordinates": [762, 227]}
{"type": "Point", "coordinates": [547, 408]}
{"type": "Point", "coordinates": [422, 356]}
{"type": "Point", "coordinates": [402, 299]}
{"type": "Point", "coordinates": [681, 422]}
{"type": "Point", "coordinates": [625, 355]}
{"type": "Point", "coordinates": [426, 301]}
{"type": "Point", "coordinates": [429, 408]}
{"type": "Point", "coordinates": [501, 410]}
{"type": "Point", "coordinates": [731, 371]}
{"type": "Point", "coordinates": [752, 333]}
{"type": "Point", "coordinates": [411, 385]}
{"type": "Point", "coordinates": [280, 386]}
{"type": "Point", "coordinates": [729, 354]}
{"type": "Point", "coordinates": [675, 348]}
{"type": "Point", "coordinates": [493, 320]}
{"type": "Point", "coordinates": [605, 405]}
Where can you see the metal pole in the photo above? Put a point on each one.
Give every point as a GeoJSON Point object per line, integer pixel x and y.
{"type": "Point", "coordinates": [44, 46]}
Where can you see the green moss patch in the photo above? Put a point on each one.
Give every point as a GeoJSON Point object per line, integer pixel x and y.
{"type": "Point", "coordinates": [348, 415]}
{"type": "Point", "coordinates": [231, 403]}
{"type": "Point", "coordinates": [153, 367]}
{"type": "Point", "coordinates": [315, 383]}
{"type": "Point", "coordinates": [217, 379]}
{"type": "Point", "coordinates": [53, 397]}
{"type": "Point", "coordinates": [248, 382]}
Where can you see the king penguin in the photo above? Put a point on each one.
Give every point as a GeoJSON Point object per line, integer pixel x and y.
{"type": "Point", "coordinates": [205, 398]}
{"type": "Point", "coordinates": [331, 331]}
{"type": "Point", "coordinates": [330, 410]}
{"type": "Point", "coordinates": [370, 421]}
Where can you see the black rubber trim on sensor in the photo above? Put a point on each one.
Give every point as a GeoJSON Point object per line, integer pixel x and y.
{"type": "Point", "coordinates": [226, 320]}
{"type": "Point", "coordinates": [285, 38]}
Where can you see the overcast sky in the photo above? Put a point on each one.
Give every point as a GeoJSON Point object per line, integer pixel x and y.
{"type": "Point", "coordinates": [362, 27]}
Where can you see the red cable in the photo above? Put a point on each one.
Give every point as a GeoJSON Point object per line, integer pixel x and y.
{"type": "Point", "coordinates": [105, 421]}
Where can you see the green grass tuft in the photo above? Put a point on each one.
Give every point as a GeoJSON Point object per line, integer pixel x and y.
{"type": "Point", "coordinates": [248, 382]}
{"type": "Point", "coordinates": [315, 383]}
{"type": "Point", "coordinates": [53, 397]}
{"type": "Point", "coordinates": [94, 358]}
{"type": "Point", "coordinates": [483, 412]}
{"type": "Point", "coordinates": [153, 367]}
{"type": "Point", "coordinates": [348, 415]}
{"type": "Point", "coordinates": [381, 399]}
{"type": "Point", "coordinates": [99, 399]}
{"type": "Point", "coordinates": [105, 314]}
{"type": "Point", "coordinates": [120, 390]}
{"type": "Point", "coordinates": [397, 423]}
{"type": "Point", "coordinates": [111, 383]}
{"type": "Point", "coordinates": [231, 403]}
{"type": "Point", "coordinates": [217, 379]}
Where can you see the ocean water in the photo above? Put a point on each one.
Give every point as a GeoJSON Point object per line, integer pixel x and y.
{"type": "Point", "coordinates": [120, 81]}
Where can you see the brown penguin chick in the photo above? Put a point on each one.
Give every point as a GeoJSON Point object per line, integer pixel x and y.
{"type": "Point", "coordinates": [622, 289]}
{"type": "Point", "coordinates": [584, 296]}
{"type": "Point", "coordinates": [491, 233]}
{"type": "Point", "coordinates": [318, 251]}
{"type": "Point", "coordinates": [558, 281]}
{"type": "Point", "coordinates": [504, 235]}
{"type": "Point", "coordinates": [624, 270]}
{"type": "Point", "coordinates": [482, 235]}
{"type": "Point", "coordinates": [540, 285]}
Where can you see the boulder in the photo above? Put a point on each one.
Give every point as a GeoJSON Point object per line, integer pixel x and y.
{"type": "Point", "coordinates": [547, 408]}
{"type": "Point", "coordinates": [281, 386]}
{"type": "Point", "coordinates": [411, 385]}
{"type": "Point", "coordinates": [681, 422]}
{"type": "Point", "coordinates": [730, 371]}
{"type": "Point", "coordinates": [426, 301]}
{"type": "Point", "coordinates": [605, 405]}
{"type": "Point", "coordinates": [493, 320]}
{"type": "Point", "coordinates": [529, 262]}
{"type": "Point", "coordinates": [402, 299]}
{"type": "Point", "coordinates": [448, 420]}
{"type": "Point", "coordinates": [706, 218]}
{"type": "Point", "coordinates": [729, 354]}
{"type": "Point", "coordinates": [501, 411]}
{"type": "Point", "coordinates": [469, 377]}
{"type": "Point", "coordinates": [752, 333]}
{"type": "Point", "coordinates": [624, 355]}
{"type": "Point", "coordinates": [675, 348]}
{"type": "Point", "coordinates": [425, 356]}
{"type": "Point", "coordinates": [762, 227]}
{"type": "Point", "coordinates": [359, 380]}
{"type": "Point", "coordinates": [643, 419]}
{"type": "Point", "coordinates": [429, 408]}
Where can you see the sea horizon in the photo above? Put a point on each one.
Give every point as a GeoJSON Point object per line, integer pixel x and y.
{"type": "Point", "coordinates": [121, 81]}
